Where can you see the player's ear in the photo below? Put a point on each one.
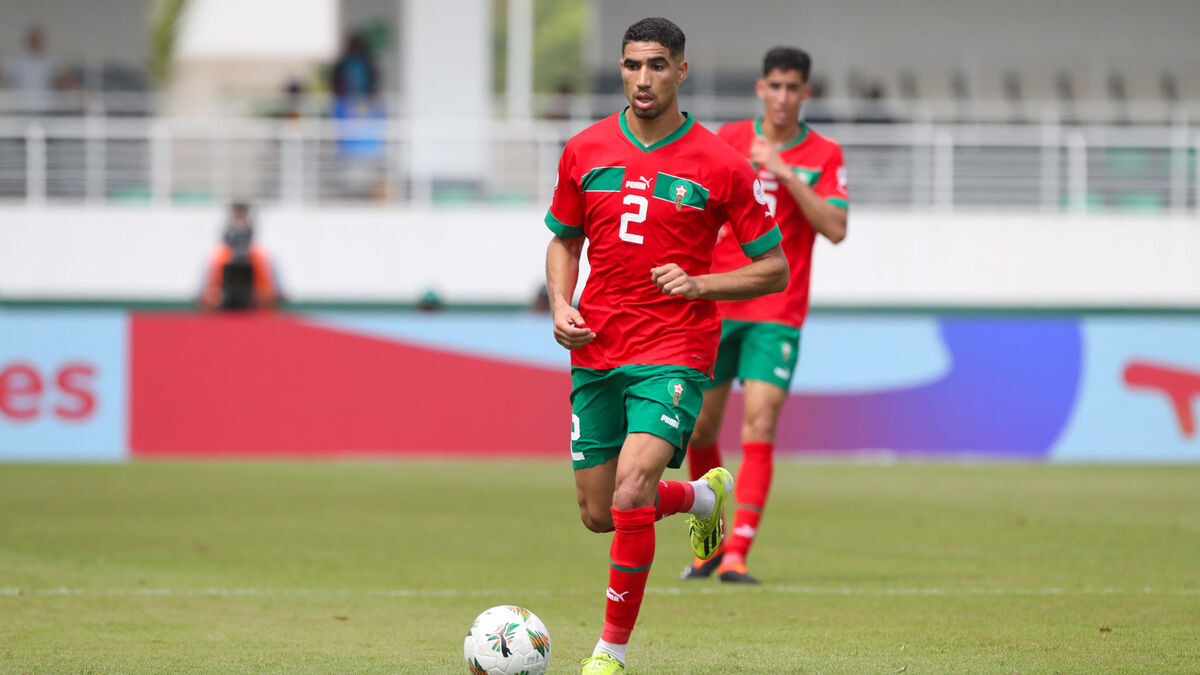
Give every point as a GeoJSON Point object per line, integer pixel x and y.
{"type": "Point", "coordinates": [760, 88]}
{"type": "Point", "coordinates": [683, 68]}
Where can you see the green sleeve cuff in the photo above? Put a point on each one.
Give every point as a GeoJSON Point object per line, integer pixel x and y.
{"type": "Point", "coordinates": [839, 202]}
{"type": "Point", "coordinates": [562, 229]}
{"type": "Point", "coordinates": [762, 244]}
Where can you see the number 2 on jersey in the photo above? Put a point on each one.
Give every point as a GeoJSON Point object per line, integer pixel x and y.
{"type": "Point", "coordinates": [633, 217]}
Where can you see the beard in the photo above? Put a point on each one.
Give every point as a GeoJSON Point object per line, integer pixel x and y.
{"type": "Point", "coordinates": [653, 112]}
{"type": "Point", "coordinates": [648, 114]}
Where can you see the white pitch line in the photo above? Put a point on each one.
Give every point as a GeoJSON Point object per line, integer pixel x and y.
{"type": "Point", "coordinates": [670, 590]}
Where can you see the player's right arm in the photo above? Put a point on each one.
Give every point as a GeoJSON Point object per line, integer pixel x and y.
{"type": "Point", "coordinates": [565, 220]}
{"type": "Point", "coordinates": [562, 271]}
{"type": "Point", "coordinates": [825, 212]}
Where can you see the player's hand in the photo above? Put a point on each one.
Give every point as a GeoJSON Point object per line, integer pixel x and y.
{"type": "Point", "coordinates": [673, 281]}
{"type": "Point", "coordinates": [764, 154]}
{"type": "Point", "coordinates": [570, 330]}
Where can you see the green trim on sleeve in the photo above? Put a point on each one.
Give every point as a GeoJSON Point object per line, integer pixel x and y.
{"type": "Point", "coordinates": [562, 229]}
{"type": "Point", "coordinates": [762, 244]}
{"type": "Point", "coordinates": [838, 202]}
{"type": "Point", "coordinates": [603, 179]}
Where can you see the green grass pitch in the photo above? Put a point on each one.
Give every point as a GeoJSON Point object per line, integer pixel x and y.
{"type": "Point", "coordinates": [379, 567]}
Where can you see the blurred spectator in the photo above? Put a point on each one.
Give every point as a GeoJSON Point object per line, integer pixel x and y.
{"type": "Point", "coordinates": [292, 105]}
{"type": "Point", "coordinates": [1065, 87]}
{"type": "Point", "coordinates": [361, 120]}
{"type": "Point", "coordinates": [430, 301]}
{"type": "Point", "coordinates": [872, 109]}
{"type": "Point", "coordinates": [816, 109]}
{"type": "Point", "coordinates": [560, 108]}
{"type": "Point", "coordinates": [1015, 95]}
{"type": "Point", "coordinates": [240, 275]}
{"type": "Point", "coordinates": [354, 73]}
{"type": "Point", "coordinates": [1168, 86]}
{"type": "Point", "coordinates": [34, 76]}
{"type": "Point", "coordinates": [1116, 94]}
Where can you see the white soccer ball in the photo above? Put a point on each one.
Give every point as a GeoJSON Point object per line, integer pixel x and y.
{"type": "Point", "coordinates": [507, 640]}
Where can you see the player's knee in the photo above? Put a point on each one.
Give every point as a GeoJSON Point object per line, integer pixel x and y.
{"type": "Point", "coordinates": [633, 492]}
{"type": "Point", "coordinates": [759, 428]}
{"type": "Point", "coordinates": [704, 435]}
{"type": "Point", "coordinates": [596, 520]}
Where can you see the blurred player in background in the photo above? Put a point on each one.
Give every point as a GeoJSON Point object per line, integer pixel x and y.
{"type": "Point", "coordinates": [649, 189]}
{"type": "Point", "coordinates": [805, 185]}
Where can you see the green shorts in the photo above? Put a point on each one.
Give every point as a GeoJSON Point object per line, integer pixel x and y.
{"type": "Point", "coordinates": [608, 405]}
{"type": "Point", "coordinates": [752, 350]}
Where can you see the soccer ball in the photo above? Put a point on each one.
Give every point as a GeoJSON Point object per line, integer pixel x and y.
{"type": "Point", "coordinates": [507, 640]}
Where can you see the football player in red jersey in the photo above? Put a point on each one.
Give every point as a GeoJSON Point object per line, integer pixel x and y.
{"type": "Point", "coordinates": [649, 189]}
{"type": "Point", "coordinates": [805, 184]}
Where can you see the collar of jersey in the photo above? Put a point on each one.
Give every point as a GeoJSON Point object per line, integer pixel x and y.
{"type": "Point", "coordinates": [688, 121]}
{"type": "Point", "coordinates": [790, 144]}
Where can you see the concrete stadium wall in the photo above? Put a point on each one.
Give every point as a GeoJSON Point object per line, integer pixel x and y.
{"type": "Point", "coordinates": [93, 33]}
{"type": "Point", "coordinates": [110, 386]}
{"type": "Point", "coordinates": [1085, 37]}
{"type": "Point", "coordinates": [497, 256]}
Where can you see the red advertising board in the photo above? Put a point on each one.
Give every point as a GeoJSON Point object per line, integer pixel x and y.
{"type": "Point", "coordinates": [277, 385]}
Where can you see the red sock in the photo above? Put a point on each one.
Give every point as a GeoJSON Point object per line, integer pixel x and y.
{"type": "Point", "coordinates": [753, 483]}
{"type": "Point", "coordinates": [702, 459]}
{"type": "Point", "coordinates": [631, 554]}
{"type": "Point", "coordinates": [674, 496]}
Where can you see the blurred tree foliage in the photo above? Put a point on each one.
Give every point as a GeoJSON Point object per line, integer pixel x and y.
{"type": "Point", "coordinates": [164, 26]}
{"type": "Point", "coordinates": [558, 29]}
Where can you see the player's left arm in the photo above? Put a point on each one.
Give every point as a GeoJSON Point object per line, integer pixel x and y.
{"type": "Point", "coordinates": [826, 216]}
{"type": "Point", "coordinates": [745, 208]}
{"type": "Point", "coordinates": [766, 273]}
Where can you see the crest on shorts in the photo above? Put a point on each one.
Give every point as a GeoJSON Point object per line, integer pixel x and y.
{"type": "Point", "coordinates": [676, 389]}
{"type": "Point", "coordinates": [786, 349]}
{"type": "Point", "coordinates": [682, 191]}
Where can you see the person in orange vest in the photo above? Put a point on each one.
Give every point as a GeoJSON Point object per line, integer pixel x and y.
{"type": "Point", "coordinates": [240, 275]}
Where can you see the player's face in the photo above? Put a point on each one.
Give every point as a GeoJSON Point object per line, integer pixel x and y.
{"type": "Point", "coordinates": [651, 78]}
{"type": "Point", "coordinates": [782, 92]}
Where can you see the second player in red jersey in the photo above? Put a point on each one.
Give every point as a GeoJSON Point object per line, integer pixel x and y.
{"type": "Point", "coordinates": [817, 162]}
{"type": "Point", "coordinates": [805, 186]}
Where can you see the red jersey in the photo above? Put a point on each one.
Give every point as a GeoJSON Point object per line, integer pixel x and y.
{"type": "Point", "coordinates": [645, 206]}
{"type": "Point", "coordinates": [818, 161]}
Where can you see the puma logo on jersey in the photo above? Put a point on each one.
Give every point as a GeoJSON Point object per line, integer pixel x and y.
{"type": "Point", "coordinates": [643, 184]}
{"type": "Point", "coordinates": [674, 424]}
{"type": "Point", "coordinates": [615, 596]}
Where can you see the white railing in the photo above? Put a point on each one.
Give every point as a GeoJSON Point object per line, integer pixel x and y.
{"type": "Point", "coordinates": [162, 160]}
{"type": "Point", "coordinates": [704, 104]}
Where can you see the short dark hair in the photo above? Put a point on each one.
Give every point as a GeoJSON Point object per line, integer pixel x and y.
{"type": "Point", "coordinates": [787, 58]}
{"type": "Point", "coordinates": [656, 29]}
